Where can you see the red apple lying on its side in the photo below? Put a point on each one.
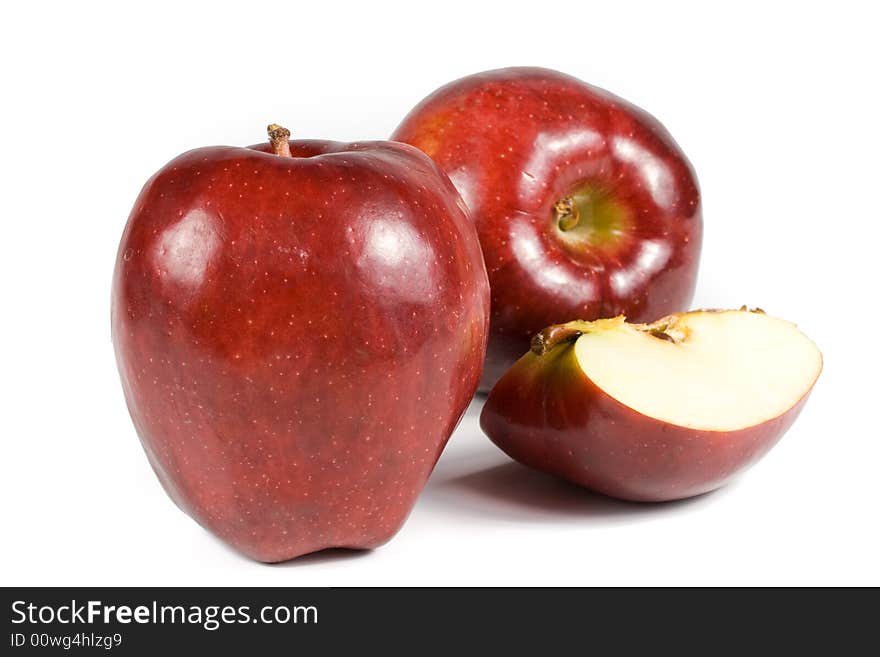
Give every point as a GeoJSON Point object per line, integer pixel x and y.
{"type": "Point", "coordinates": [585, 205]}
{"type": "Point", "coordinates": [653, 412]}
{"type": "Point", "coordinates": [299, 327]}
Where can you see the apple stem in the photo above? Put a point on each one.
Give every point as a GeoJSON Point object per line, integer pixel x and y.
{"type": "Point", "coordinates": [558, 334]}
{"type": "Point", "coordinates": [567, 215]}
{"type": "Point", "coordinates": [279, 137]}
{"type": "Point", "coordinates": [553, 336]}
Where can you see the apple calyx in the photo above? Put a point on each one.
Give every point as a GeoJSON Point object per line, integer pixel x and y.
{"type": "Point", "coordinates": [567, 213]}
{"type": "Point", "coordinates": [592, 217]}
{"type": "Point", "coordinates": [279, 137]}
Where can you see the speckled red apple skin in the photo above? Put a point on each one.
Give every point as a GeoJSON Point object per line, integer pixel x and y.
{"type": "Point", "coordinates": [547, 414]}
{"type": "Point", "coordinates": [514, 141]}
{"type": "Point", "coordinates": [298, 337]}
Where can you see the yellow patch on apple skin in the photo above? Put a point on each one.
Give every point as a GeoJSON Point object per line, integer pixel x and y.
{"type": "Point", "coordinates": [430, 132]}
{"type": "Point", "coordinates": [428, 144]}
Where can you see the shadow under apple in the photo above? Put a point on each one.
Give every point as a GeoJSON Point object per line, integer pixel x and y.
{"type": "Point", "coordinates": [511, 491]}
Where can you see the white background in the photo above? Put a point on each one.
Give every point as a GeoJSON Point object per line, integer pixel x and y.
{"type": "Point", "coordinates": [775, 104]}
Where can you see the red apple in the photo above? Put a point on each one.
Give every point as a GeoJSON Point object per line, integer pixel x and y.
{"type": "Point", "coordinates": [584, 204]}
{"type": "Point", "coordinates": [298, 328]}
{"type": "Point", "coordinates": [653, 412]}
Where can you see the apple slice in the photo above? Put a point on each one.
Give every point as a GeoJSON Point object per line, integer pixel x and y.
{"type": "Point", "coordinates": [653, 412]}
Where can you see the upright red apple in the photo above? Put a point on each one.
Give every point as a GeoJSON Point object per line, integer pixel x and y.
{"type": "Point", "coordinates": [653, 412]}
{"type": "Point", "coordinates": [584, 204]}
{"type": "Point", "coordinates": [298, 328]}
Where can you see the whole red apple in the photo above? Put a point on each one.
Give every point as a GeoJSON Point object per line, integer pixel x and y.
{"type": "Point", "coordinates": [584, 204]}
{"type": "Point", "coordinates": [299, 327]}
{"type": "Point", "coordinates": [653, 412]}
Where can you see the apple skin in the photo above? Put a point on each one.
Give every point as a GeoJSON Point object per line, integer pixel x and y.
{"type": "Point", "coordinates": [514, 142]}
{"type": "Point", "coordinates": [298, 337]}
{"type": "Point", "coordinates": [547, 414]}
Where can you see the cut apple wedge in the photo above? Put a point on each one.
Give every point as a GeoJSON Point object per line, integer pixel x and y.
{"type": "Point", "coordinates": [653, 412]}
